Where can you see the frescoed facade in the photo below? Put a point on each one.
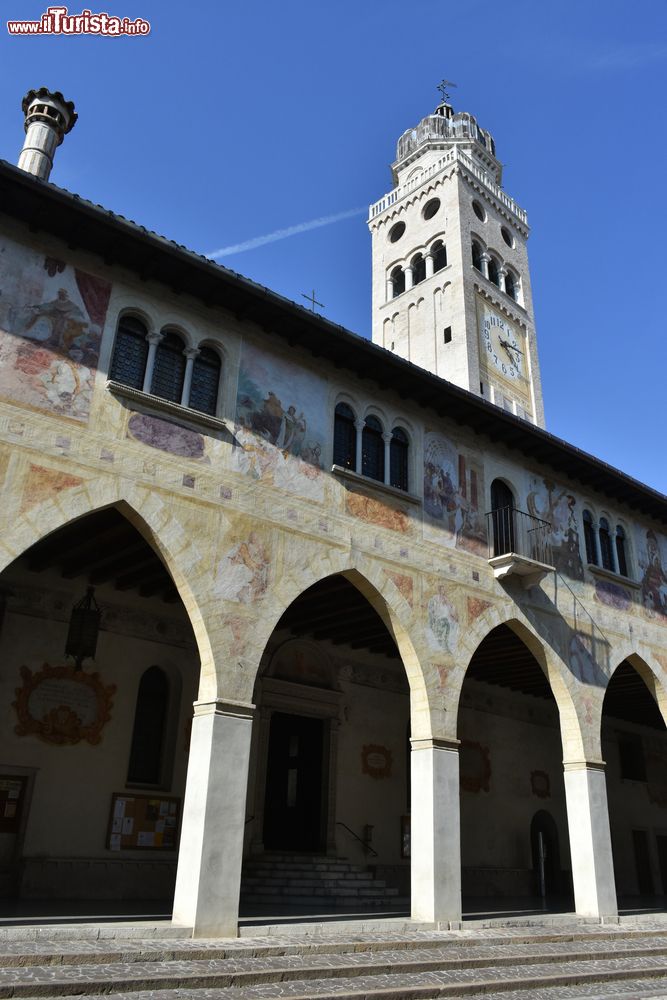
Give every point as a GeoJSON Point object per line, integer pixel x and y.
{"type": "Point", "coordinates": [423, 656]}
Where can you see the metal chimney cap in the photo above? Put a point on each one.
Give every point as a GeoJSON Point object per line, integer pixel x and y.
{"type": "Point", "coordinates": [54, 95]}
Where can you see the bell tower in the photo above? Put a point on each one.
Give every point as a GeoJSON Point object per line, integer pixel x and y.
{"type": "Point", "coordinates": [451, 286]}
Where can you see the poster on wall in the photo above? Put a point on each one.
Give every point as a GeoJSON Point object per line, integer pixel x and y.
{"type": "Point", "coordinates": [143, 822]}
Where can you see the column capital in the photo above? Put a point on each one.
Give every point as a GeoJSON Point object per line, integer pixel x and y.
{"type": "Point", "coordinates": [191, 353]}
{"type": "Point", "coordinates": [235, 709]}
{"type": "Point", "coordinates": [584, 765]}
{"type": "Point", "coordinates": [485, 256]}
{"type": "Point", "coordinates": [433, 743]}
{"type": "Point", "coordinates": [154, 337]}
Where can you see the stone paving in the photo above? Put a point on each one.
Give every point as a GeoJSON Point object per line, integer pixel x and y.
{"type": "Point", "coordinates": [516, 963]}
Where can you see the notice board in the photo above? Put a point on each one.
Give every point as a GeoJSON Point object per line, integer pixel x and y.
{"type": "Point", "coordinates": [143, 822]}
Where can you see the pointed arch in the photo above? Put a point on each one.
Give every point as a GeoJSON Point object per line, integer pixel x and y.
{"type": "Point", "coordinates": [384, 597]}
{"type": "Point", "coordinates": [555, 670]}
{"type": "Point", "coordinates": [155, 522]}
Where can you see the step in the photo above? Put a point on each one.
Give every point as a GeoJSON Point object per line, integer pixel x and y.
{"type": "Point", "coordinates": [448, 971]}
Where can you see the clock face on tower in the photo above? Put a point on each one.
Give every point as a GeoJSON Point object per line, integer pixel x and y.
{"type": "Point", "coordinates": [502, 344]}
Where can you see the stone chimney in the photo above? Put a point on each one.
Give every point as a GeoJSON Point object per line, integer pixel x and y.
{"type": "Point", "coordinates": [48, 117]}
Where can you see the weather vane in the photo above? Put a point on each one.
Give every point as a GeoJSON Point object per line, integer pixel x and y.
{"type": "Point", "coordinates": [443, 87]}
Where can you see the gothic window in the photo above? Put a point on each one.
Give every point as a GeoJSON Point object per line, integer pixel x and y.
{"type": "Point", "coordinates": [589, 539]}
{"type": "Point", "coordinates": [169, 370]}
{"type": "Point", "coordinates": [372, 449]}
{"type": "Point", "coordinates": [128, 364]}
{"type": "Point", "coordinates": [621, 553]}
{"type": "Point", "coordinates": [493, 271]}
{"type": "Point", "coordinates": [205, 381]}
{"type": "Point", "coordinates": [510, 285]}
{"type": "Point", "coordinates": [398, 459]}
{"type": "Point", "coordinates": [345, 437]}
{"type": "Point", "coordinates": [397, 282]}
{"type": "Point", "coordinates": [418, 269]}
{"type": "Point", "coordinates": [439, 254]}
{"type": "Point", "coordinates": [502, 516]}
{"type": "Point", "coordinates": [476, 256]}
{"type": "Point", "coordinates": [606, 551]}
{"type": "Point", "coordinates": [150, 725]}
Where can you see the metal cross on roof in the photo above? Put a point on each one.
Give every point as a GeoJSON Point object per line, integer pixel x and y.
{"type": "Point", "coordinates": [313, 301]}
{"type": "Point", "coordinates": [443, 87]}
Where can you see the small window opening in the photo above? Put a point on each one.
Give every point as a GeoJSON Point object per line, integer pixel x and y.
{"type": "Point", "coordinates": [620, 551]}
{"type": "Point", "coordinates": [418, 269]}
{"type": "Point", "coordinates": [606, 551]}
{"type": "Point", "coordinates": [150, 723]}
{"type": "Point", "coordinates": [398, 459]}
{"type": "Point", "coordinates": [439, 254]}
{"type": "Point", "coordinates": [397, 282]}
{"type": "Point", "coordinates": [372, 449]}
{"type": "Point", "coordinates": [477, 256]}
{"type": "Point", "coordinates": [169, 371]}
{"type": "Point", "coordinates": [448, 334]}
{"type": "Point", "coordinates": [345, 437]}
{"type": "Point", "coordinates": [589, 539]}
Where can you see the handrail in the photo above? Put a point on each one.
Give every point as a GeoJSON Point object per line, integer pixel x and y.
{"type": "Point", "coordinates": [515, 531]}
{"type": "Point", "coordinates": [366, 846]}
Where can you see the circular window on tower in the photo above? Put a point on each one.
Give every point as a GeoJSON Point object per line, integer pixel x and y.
{"type": "Point", "coordinates": [430, 208]}
{"type": "Point", "coordinates": [479, 211]}
{"type": "Point", "coordinates": [507, 236]}
{"type": "Point", "coordinates": [396, 232]}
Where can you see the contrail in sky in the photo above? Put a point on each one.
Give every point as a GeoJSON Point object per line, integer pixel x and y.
{"type": "Point", "coordinates": [282, 234]}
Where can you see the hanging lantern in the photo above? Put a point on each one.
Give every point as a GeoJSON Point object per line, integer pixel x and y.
{"type": "Point", "coordinates": [84, 626]}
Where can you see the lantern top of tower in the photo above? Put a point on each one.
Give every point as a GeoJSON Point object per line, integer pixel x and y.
{"type": "Point", "coordinates": [444, 126]}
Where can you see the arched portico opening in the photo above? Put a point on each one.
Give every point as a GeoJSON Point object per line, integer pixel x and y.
{"type": "Point", "coordinates": [514, 833]}
{"type": "Point", "coordinates": [634, 746]}
{"type": "Point", "coordinates": [94, 759]}
{"type": "Point", "coordinates": [328, 802]}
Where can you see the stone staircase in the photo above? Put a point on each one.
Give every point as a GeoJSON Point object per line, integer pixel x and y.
{"type": "Point", "coordinates": [497, 964]}
{"type": "Point", "coordinates": [314, 882]}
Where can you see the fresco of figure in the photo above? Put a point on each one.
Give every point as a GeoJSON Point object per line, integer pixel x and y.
{"type": "Point", "coordinates": [65, 318]}
{"type": "Point", "coordinates": [555, 505]}
{"type": "Point", "coordinates": [654, 581]}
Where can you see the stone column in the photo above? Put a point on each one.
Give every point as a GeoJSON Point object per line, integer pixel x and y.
{"type": "Point", "coordinates": [408, 277]}
{"type": "Point", "coordinates": [390, 288]}
{"type": "Point", "coordinates": [428, 258]}
{"type": "Point", "coordinates": [435, 831]}
{"type": "Point", "coordinates": [359, 427]}
{"type": "Point", "coordinates": [484, 261]}
{"type": "Point", "coordinates": [387, 458]}
{"type": "Point", "coordinates": [190, 355]}
{"type": "Point", "coordinates": [501, 279]}
{"type": "Point", "coordinates": [208, 878]}
{"type": "Point", "coordinates": [590, 839]}
{"type": "Point", "coordinates": [153, 340]}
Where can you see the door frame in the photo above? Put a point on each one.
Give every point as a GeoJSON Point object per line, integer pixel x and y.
{"type": "Point", "coordinates": [296, 699]}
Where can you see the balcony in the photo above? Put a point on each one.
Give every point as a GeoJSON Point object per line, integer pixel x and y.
{"type": "Point", "coordinates": [519, 545]}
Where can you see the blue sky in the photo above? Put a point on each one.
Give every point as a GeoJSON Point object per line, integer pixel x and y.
{"type": "Point", "coordinates": [232, 121]}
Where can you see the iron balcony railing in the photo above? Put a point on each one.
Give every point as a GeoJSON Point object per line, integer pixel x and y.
{"type": "Point", "coordinates": [514, 531]}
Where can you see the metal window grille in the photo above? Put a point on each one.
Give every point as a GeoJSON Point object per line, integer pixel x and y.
{"type": "Point", "coordinates": [128, 364]}
{"type": "Point", "coordinates": [169, 369]}
{"type": "Point", "coordinates": [205, 382]}
{"type": "Point", "coordinates": [372, 450]}
{"type": "Point", "coordinates": [345, 437]}
{"type": "Point", "coordinates": [398, 460]}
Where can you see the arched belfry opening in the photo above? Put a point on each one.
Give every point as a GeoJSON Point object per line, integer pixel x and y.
{"type": "Point", "coordinates": [514, 834]}
{"type": "Point", "coordinates": [328, 800]}
{"type": "Point", "coordinates": [634, 746]}
{"type": "Point", "coordinates": [98, 672]}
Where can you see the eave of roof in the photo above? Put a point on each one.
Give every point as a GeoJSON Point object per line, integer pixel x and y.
{"type": "Point", "coordinates": [82, 225]}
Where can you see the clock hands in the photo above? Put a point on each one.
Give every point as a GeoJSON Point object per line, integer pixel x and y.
{"type": "Point", "coordinates": [506, 344]}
